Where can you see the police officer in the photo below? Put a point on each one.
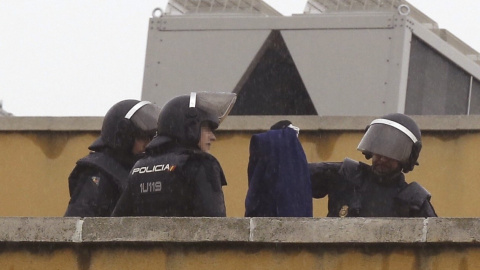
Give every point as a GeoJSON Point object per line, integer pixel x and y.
{"type": "Point", "coordinates": [98, 179]}
{"type": "Point", "coordinates": [178, 177]}
{"type": "Point", "coordinates": [356, 189]}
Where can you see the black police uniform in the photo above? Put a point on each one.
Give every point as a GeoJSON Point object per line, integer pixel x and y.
{"type": "Point", "coordinates": [97, 181]}
{"type": "Point", "coordinates": [173, 180]}
{"type": "Point", "coordinates": [95, 185]}
{"type": "Point", "coordinates": [176, 178]}
{"type": "Point", "coordinates": [355, 191]}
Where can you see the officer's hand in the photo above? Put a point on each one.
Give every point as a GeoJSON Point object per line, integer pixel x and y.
{"type": "Point", "coordinates": [281, 124]}
{"type": "Point", "coordinates": [285, 124]}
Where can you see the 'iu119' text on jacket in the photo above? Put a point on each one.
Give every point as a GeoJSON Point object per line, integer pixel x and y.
{"type": "Point", "coordinates": [174, 181]}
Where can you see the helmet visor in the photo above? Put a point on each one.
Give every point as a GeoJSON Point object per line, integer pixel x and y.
{"type": "Point", "coordinates": [144, 116]}
{"type": "Point", "coordinates": [219, 104]}
{"type": "Point", "coordinates": [387, 141]}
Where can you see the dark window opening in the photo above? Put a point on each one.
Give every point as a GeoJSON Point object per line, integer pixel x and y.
{"type": "Point", "coordinates": [274, 86]}
{"type": "Point", "coordinates": [436, 86]}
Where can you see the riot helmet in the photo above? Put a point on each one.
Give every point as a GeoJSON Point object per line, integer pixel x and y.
{"type": "Point", "coordinates": [395, 136]}
{"type": "Point", "coordinates": [125, 121]}
{"type": "Point", "coordinates": [181, 117]}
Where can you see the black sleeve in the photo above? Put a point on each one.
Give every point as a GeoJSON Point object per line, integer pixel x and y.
{"type": "Point", "coordinates": [95, 195]}
{"type": "Point", "coordinates": [425, 211]}
{"type": "Point", "coordinates": [124, 206]}
{"type": "Point", "coordinates": [321, 175]}
{"type": "Point", "coordinates": [207, 179]}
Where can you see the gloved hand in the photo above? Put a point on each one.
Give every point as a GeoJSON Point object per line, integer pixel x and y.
{"type": "Point", "coordinates": [284, 124]}
{"type": "Point", "coordinates": [281, 124]}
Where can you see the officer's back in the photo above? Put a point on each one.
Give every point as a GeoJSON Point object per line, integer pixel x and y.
{"type": "Point", "coordinates": [178, 177]}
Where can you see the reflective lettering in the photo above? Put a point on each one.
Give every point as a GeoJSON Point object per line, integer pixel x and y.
{"type": "Point", "coordinates": [156, 168]}
{"type": "Point", "coordinates": [149, 187]}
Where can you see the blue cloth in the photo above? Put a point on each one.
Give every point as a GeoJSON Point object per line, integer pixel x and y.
{"type": "Point", "coordinates": [278, 176]}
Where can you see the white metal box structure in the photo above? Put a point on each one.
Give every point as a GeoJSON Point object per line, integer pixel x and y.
{"type": "Point", "coordinates": [341, 57]}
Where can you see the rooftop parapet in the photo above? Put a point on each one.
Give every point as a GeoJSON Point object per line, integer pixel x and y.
{"type": "Point", "coordinates": [243, 230]}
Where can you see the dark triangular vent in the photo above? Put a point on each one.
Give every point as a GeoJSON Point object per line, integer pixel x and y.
{"type": "Point", "coordinates": [274, 86]}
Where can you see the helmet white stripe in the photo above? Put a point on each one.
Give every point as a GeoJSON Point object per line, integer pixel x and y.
{"type": "Point", "coordinates": [135, 108]}
{"type": "Point", "coordinates": [396, 125]}
{"type": "Point", "coordinates": [193, 99]}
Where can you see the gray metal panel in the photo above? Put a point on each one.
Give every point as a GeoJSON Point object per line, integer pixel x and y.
{"type": "Point", "coordinates": [325, 21]}
{"type": "Point", "coordinates": [345, 71]}
{"type": "Point", "coordinates": [184, 61]}
{"type": "Point", "coordinates": [399, 62]}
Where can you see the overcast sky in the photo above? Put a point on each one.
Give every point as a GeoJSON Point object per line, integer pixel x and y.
{"type": "Point", "coordinates": [79, 57]}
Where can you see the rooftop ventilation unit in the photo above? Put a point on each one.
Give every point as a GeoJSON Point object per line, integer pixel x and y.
{"type": "Point", "coordinates": [342, 57]}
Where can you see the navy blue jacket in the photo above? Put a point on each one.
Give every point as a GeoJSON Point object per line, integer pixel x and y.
{"type": "Point", "coordinates": [278, 176]}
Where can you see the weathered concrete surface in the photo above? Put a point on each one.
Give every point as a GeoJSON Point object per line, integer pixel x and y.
{"type": "Point", "coordinates": [253, 230]}
{"type": "Point", "coordinates": [158, 229]}
{"type": "Point", "coordinates": [239, 243]}
{"type": "Point", "coordinates": [454, 230]}
{"type": "Point", "coordinates": [48, 229]}
{"type": "Point", "coordinates": [51, 123]}
{"type": "Point", "coordinates": [338, 230]}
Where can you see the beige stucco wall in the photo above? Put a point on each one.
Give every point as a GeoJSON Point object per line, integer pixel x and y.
{"type": "Point", "coordinates": [37, 158]}
{"type": "Point", "coordinates": [202, 257]}
{"type": "Point", "coordinates": [38, 155]}
{"type": "Point", "coordinates": [34, 171]}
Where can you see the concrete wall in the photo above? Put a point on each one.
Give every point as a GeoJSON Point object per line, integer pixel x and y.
{"type": "Point", "coordinates": [39, 153]}
{"type": "Point", "coordinates": [239, 243]}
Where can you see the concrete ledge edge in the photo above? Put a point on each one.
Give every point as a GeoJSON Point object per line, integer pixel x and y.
{"type": "Point", "coordinates": [240, 230]}
{"type": "Point", "coordinates": [249, 123]}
